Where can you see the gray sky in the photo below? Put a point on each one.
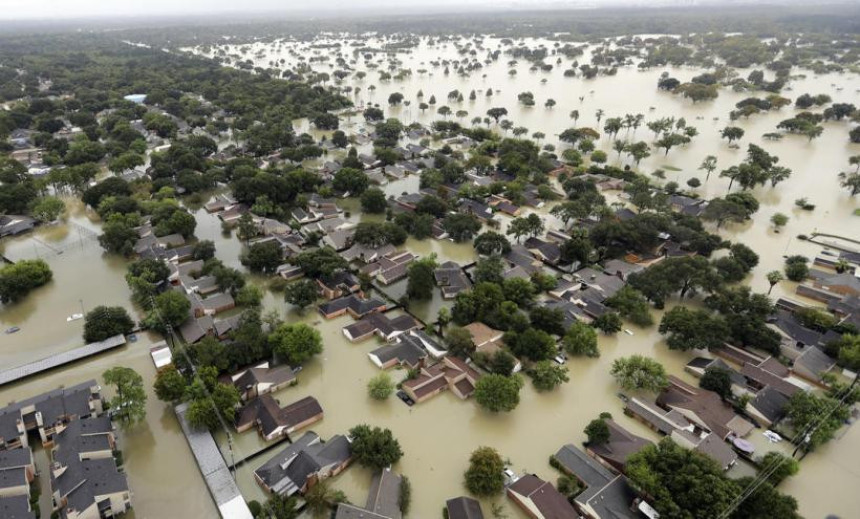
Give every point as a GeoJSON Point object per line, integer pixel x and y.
{"type": "Point", "coordinates": [65, 9]}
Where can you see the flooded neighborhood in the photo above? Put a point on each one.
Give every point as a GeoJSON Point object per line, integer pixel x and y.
{"type": "Point", "coordinates": [242, 315]}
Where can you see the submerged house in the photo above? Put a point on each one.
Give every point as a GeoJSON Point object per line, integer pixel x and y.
{"type": "Point", "coordinates": [383, 499]}
{"type": "Point", "coordinates": [48, 414]}
{"type": "Point", "coordinates": [303, 463]}
{"type": "Point", "coordinates": [621, 445]}
{"type": "Point", "coordinates": [606, 496]}
{"type": "Point", "coordinates": [381, 325]}
{"type": "Point", "coordinates": [539, 499]}
{"type": "Point", "coordinates": [85, 479]}
{"type": "Point", "coordinates": [450, 373]}
{"type": "Point", "coordinates": [262, 379]}
{"type": "Point", "coordinates": [273, 421]}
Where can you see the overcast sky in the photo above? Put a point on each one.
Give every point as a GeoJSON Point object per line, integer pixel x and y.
{"type": "Point", "coordinates": [65, 9]}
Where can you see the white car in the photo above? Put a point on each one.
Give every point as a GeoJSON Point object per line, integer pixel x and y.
{"type": "Point", "coordinates": [772, 436]}
{"type": "Point", "coordinates": [560, 358]}
{"type": "Point", "coordinates": [512, 477]}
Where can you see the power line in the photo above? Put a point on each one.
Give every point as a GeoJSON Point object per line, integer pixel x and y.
{"type": "Point", "coordinates": [802, 435]}
{"type": "Point", "coordinates": [196, 375]}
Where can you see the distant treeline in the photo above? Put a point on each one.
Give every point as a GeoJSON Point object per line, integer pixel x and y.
{"type": "Point", "coordinates": [762, 20]}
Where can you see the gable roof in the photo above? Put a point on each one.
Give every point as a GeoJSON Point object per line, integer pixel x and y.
{"type": "Point", "coordinates": [548, 501]}
{"type": "Point", "coordinates": [464, 508]}
{"type": "Point", "coordinates": [621, 445]}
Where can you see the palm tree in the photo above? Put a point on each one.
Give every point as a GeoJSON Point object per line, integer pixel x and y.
{"type": "Point", "coordinates": [575, 116]}
{"type": "Point", "coordinates": [619, 146]}
{"type": "Point", "coordinates": [774, 277]}
{"type": "Point", "coordinates": [320, 498]}
{"type": "Point", "coordinates": [599, 114]}
{"type": "Point", "coordinates": [709, 165]}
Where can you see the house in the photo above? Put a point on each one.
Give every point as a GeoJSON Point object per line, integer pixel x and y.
{"type": "Point", "coordinates": [481, 211]}
{"type": "Point", "coordinates": [339, 284]}
{"type": "Point", "coordinates": [463, 508]}
{"type": "Point", "coordinates": [356, 306]}
{"type": "Point", "coordinates": [384, 495]}
{"type": "Point", "coordinates": [390, 267]}
{"type": "Point", "coordinates": [451, 279]}
{"type": "Point", "coordinates": [436, 349]}
{"type": "Point", "coordinates": [339, 239]}
{"type": "Point", "coordinates": [606, 496]}
{"type": "Point", "coordinates": [304, 462]}
{"type": "Point", "coordinates": [383, 499]}
{"type": "Point", "coordinates": [699, 365]}
{"type": "Point", "coordinates": [16, 507]}
{"type": "Point", "coordinates": [621, 269]}
{"type": "Point", "coordinates": [365, 254]}
{"type": "Point", "coordinates": [11, 225]}
{"type": "Point", "coordinates": [687, 205]}
{"type": "Point", "coordinates": [273, 421]}
{"type": "Point", "coordinates": [488, 341]}
{"type": "Point", "coordinates": [85, 479]}
{"type": "Point", "coordinates": [380, 324]}
{"type": "Point", "coordinates": [48, 413]}
{"type": "Point", "coordinates": [546, 251]}
{"type": "Point", "coordinates": [212, 305]}
{"type": "Point", "coordinates": [704, 408]}
{"type": "Point", "coordinates": [17, 471]}
{"type": "Point", "coordinates": [407, 351]}
{"type": "Point", "coordinates": [844, 284]}
{"type": "Point", "coordinates": [289, 272]}
{"type": "Point", "coordinates": [503, 205]}
{"type": "Point", "coordinates": [621, 445]}
{"type": "Point", "coordinates": [768, 406]}
{"type": "Point", "coordinates": [450, 373]}
{"type": "Point", "coordinates": [539, 499]}
{"type": "Point", "coordinates": [607, 285]}
{"type": "Point", "coordinates": [262, 379]}
{"type": "Point", "coordinates": [686, 433]}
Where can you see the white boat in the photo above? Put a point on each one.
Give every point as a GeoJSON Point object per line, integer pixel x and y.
{"type": "Point", "coordinates": [628, 331]}
{"type": "Point", "coordinates": [74, 317]}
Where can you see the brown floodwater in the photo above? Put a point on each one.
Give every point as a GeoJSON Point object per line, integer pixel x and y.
{"type": "Point", "coordinates": [437, 436]}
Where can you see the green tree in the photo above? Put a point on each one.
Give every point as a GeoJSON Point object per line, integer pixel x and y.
{"type": "Point", "coordinates": [301, 293]}
{"type": "Point", "coordinates": [421, 280]}
{"type": "Point", "coordinates": [609, 323]}
{"type": "Point", "coordinates": [319, 263]}
{"type": "Point", "coordinates": [547, 375]}
{"type": "Point", "coordinates": [263, 257]}
{"type": "Point", "coordinates": [247, 229]}
{"type": "Point", "coordinates": [18, 279]}
{"type": "Point", "coordinates": [485, 475]}
{"type": "Point", "coordinates": [773, 277]}
{"type": "Point", "coordinates": [690, 329]}
{"type": "Point", "coordinates": [47, 208]}
{"type": "Point", "coordinates": [103, 322]}
{"type": "Point", "coordinates": [681, 482]}
{"type": "Point", "coordinates": [819, 416]}
{"type": "Point", "coordinates": [497, 393]}
{"type": "Point", "coordinates": [490, 243]}
{"type": "Point", "coordinates": [782, 465]}
{"type": "Point", "coordinates": [597, 432]}
{"type": "Point", "coordinates": [709, 164]}
{"type": "Point", "coordinates": [119, 235]}
{"type": "Point", "coordinates": [718, 380]}
{"type": "Point", "coordinates": [374, 448]}
{"type": "Point", "coordinates": [320, 498]}
{"type": "Point", "coordinates": [380, 386]}
{"type": "Point", "coordinates": [459, 342]}
{"type": "Point", "coordinates": [796, 268]}
{"type": "Point", "coordinates": [639, 373]}
{"type": "Point", "coordinates": [461, 227]}
{"type": "Point", "coordinates": [169, 385]}
{"type": "Point", "coordinates": [373, 201]}
{"type": "Point", "coordinates": [581, 339]}
{"type": "Point", "coordinates": [632, 305]}
{"type": "Point", "coordinates": [171, 309]}
{"type": "Point", "coordinates": [296, 343]}
{"type": "Point", "coordinates": [129, 402]}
